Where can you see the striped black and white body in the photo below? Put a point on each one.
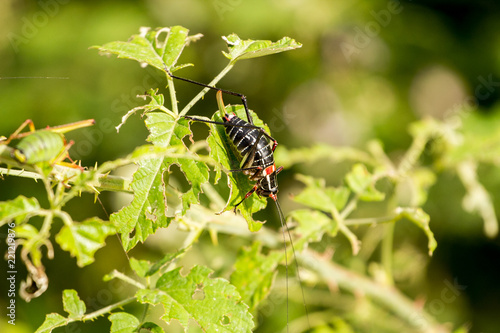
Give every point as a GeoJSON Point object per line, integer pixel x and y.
{"type": "Point", "coordinates": [256, 149]}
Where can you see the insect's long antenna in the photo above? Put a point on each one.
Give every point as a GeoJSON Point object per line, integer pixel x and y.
{"type": "Point", "coordinates": [229, 92]}
{"type": "Point", "coordinates": [283, 227]}
{"type": "Point", "coordinates": [33, 77]}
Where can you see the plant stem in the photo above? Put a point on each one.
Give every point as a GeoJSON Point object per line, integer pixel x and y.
{"type": "Point", "coordinates": [119, 275]}
{"type": "Point", "coordinates": [353, 239]}
{"type": "Point", "coordinates": [205, 90]}
{"type": "Point", "coordinates": [19, 173]}
{"type": "Point", "coordinates": [104, 310]}
{"type": "Point", "coordinates": [388, 296]}
{"type": "Point", "coordinates": [173, 97]}
{"type": "Point", "coordinates": [413, 153]}
{"type": "Point", "coordinates": [386, 256]}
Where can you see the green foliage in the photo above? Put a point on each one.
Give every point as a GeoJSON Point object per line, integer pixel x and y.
{"type": "Point", "coordinates": [83, 239]}
{"type": "Point", "coordinates": [214, 303]}
{"type": "Point", "coordinates": [189, 297]}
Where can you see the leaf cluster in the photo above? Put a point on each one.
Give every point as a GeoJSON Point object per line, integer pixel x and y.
{"type": "Point", "coordinates": [327, 212]}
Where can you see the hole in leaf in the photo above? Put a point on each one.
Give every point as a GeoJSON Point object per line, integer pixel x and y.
{"type": "Point", "coordinates": [225, 320]}
{"type": "Point", "coordinates": [177, 179]}
{"type": "Point", "coordinates": [198, 295]}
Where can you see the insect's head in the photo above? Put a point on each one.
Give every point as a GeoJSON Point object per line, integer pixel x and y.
{"type": "Point", "coordinates": [268, 186]}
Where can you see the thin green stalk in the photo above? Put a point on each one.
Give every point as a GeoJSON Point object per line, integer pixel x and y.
{"type": "Point", "coordinates": [353, 239]}
{"type": "Point", "coordinates": [205, 90]}
{"type": "Point", "coordinates": [47, 224]}
{"type": "Point", "coordinates": [349, 208]}
{"type": "Point", "coordinates": [173, 96]}
{"type": "Point", "coordinates": [103, 311]}
{"type": "Point", "coordinates": [388, 296]}
{"type": "Point", "coordinates": [386, 256]}
{"type": "Point", "coordinates": [413, 153]}
{"type": "Point", "coordinates": [370, 220]}
{"type": "Point", "coordinates": [19, 173]}
{"type": "Point", "coordinates": [48, 189]}
{"type": "Point", "coordinates": [119, 275]}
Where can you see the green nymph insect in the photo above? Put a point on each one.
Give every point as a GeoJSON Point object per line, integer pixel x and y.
{"type": "Point", "coordinates": [44, 146]}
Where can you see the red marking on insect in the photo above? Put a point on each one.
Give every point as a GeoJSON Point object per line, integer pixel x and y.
{"type": "Point", "coordinates": [270, 169]}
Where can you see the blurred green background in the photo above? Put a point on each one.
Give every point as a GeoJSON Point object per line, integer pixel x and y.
{"type": "Point", "coordinates": [366, 70]}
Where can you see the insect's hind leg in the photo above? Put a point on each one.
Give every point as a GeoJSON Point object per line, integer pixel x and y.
{"type": "Point", "coordinates": [16, 135]}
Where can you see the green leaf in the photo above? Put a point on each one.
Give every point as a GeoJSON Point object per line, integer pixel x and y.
{"type": "Point", "coordinates": [362, 182]}
{"type": "Point", "coordinates": [413, 189]}
{"type": "Point", "coordinates": [312, 224]}
{"type": "Point", "coordinates": [73, 305]}
{"type": "Point", "coordinates": [254, 274]}
{"type": "Point", "coordinates": [52, 321]}
{"type": "Point", "coordinates": [169, 257]}
{"type": "Point", "coordinates": [421, 219]}
{"type": "Point", "coordinates": [144, 268]}
{"type": "Point", "coordinates": [147, 211]}
{"type": "Point", "coordinates": [223, 151]}
{"type": "Point", "coordinates": [140, 267]}
{"type": "Point", "coordinates": [151, 327]}
{"type": "Point", "coordinates": [166, 131]}
{"type": "Point", "coordinates": [30, 233]}
{"type": "Point", "coordinates": [83, 239]}
{"type": "Point", "coordinates": [317, 195]}
{"type": "Point", "coordinates": [151, 48]}
{"type": "Point", "coordinates": [478, 139]}
{"type": "Point", "coordinates": [213, 304]}
{"type": "Point", "coordinates": [19, 209]}
{"type": "Point", "coordinates": [156, 102]}
{"type": "Point", "coordinates": [247, 49]}
{"type": "Point", "coordinates": [122, 322]}
{"type": "Point", "coordinates": [477, 199]}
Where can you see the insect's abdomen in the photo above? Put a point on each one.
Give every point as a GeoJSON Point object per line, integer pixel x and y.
{"type": "Point", "coordinates": [243, 139]}
{"type": "Point", "coordinates": [41, 146]}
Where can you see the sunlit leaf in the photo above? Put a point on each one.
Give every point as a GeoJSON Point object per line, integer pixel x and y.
{"type": "Point", "coordinates": [360, 181]}
{"type": "Point", "coordinates": [140, 267]}
{"type": "Point", "coordinates": [477, 199]}
{"type": "Point", "coordinates": [18, 209]}
{"type": "Point", "coordinates": [213, 304]}
{"type": "Point", "coordinates": [73, 305]}
{"type": "Point", "coordinates": [144, 268]}
{"type": "Point", "coordinates": [147, 211]}
{"type": "Point", "coordinates": [122, 322]}
{"type": "Point", "coordinates": [246, 49]}
{"type": "Point", "coordinates": [156, 102]}
{"type": "Point", "coordinates": [169, 257]}
{"type": "Point", "coordinates": [83, 239]}
{"type": "Point", "coordinates": [151, 327]}
{"type": "Point", "coordinates": [415, 187]}
{"type": "Point", "coordinates": [151, 48]}
{"type": "Point", "coordinates": [254, 274]}
{"type": "Point", "coordinates": [166, 131]}
{"type": "Point", "coordinates": [312, 224]}
{"type": "Point", "coordinates": [317, 195]}
{"type": "Point", "coordinates": [52, 321]}
{"type": "Point", "coordinates": [478, 139]}
{"type": "Point", "coordinates": [421, 219]}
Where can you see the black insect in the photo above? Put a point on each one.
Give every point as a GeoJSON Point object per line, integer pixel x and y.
{"type": "Point", "coordinates": [256, 149]}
